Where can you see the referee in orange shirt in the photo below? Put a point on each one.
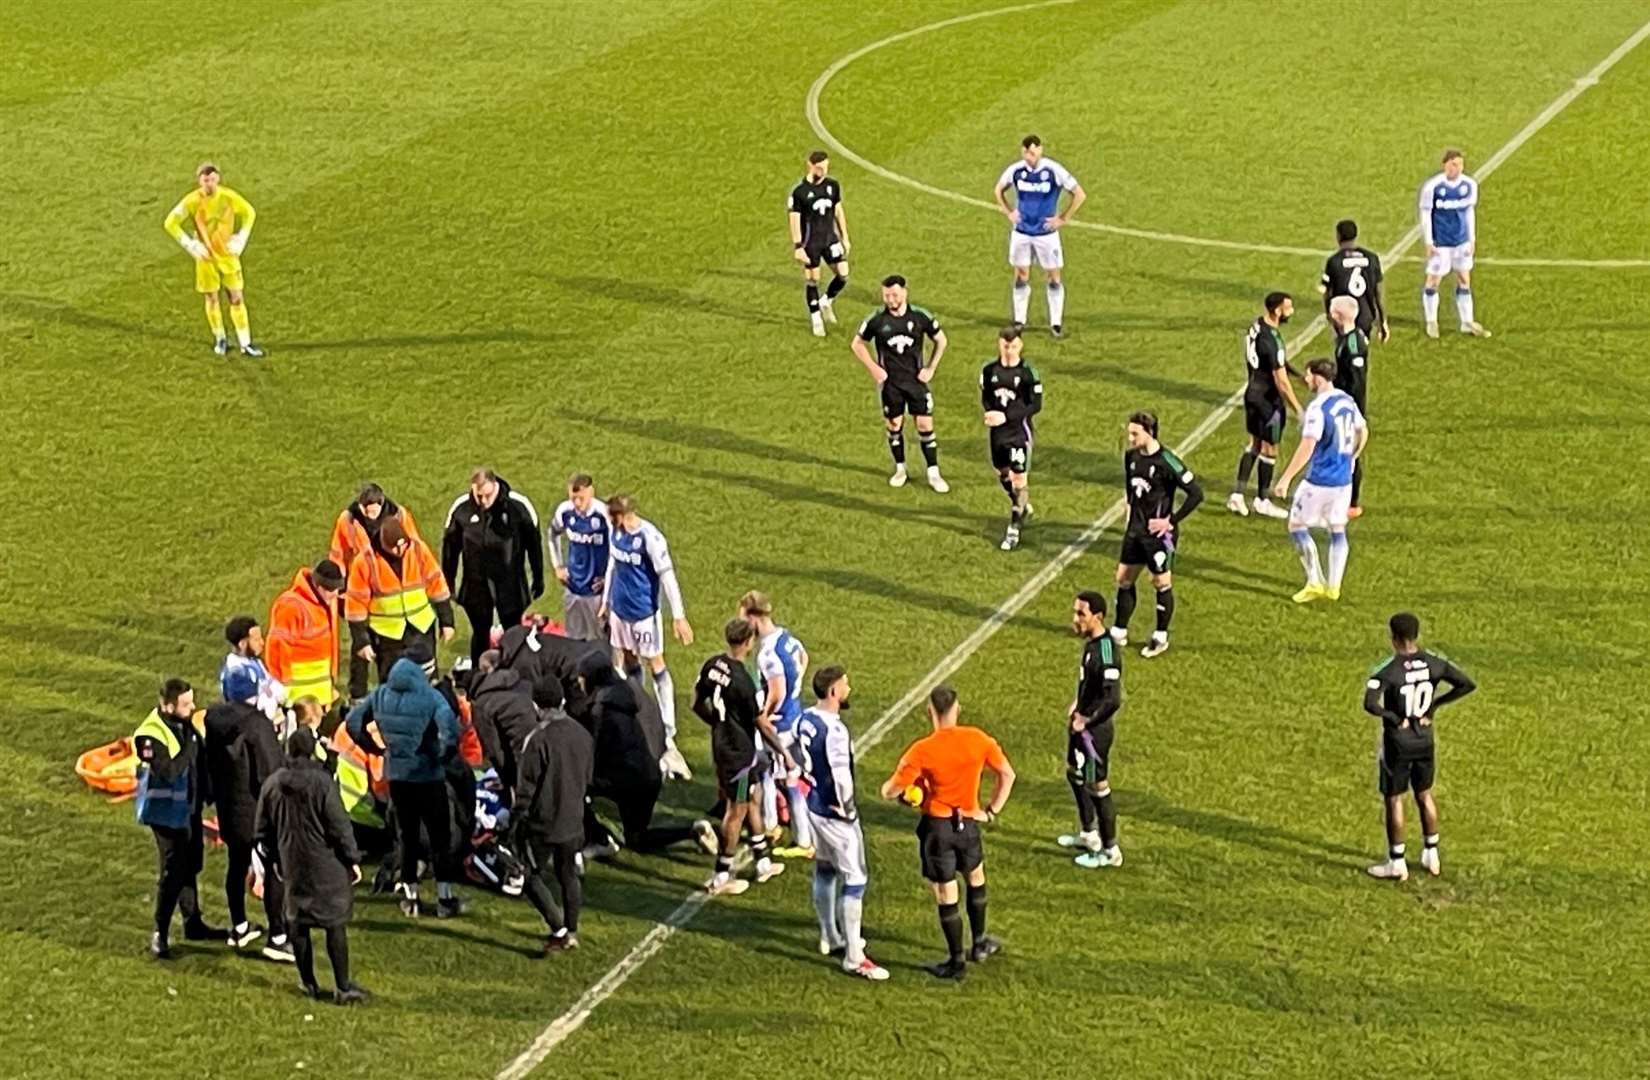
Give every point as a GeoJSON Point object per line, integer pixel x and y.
{"type": "Point", "coordinates": [944, 767]}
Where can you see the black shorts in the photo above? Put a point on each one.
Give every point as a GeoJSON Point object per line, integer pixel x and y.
{"type": "Point", "coordinates": [828, 250]}
{"type": "Point", "coordinates": [1401, 767]}
{"type": "Point", "coordinates": [739, 766]}
{"type": "Point", "coordinates": [1011, 454]}
{"type": "Point", "coordinates": [1088, 753]}
{"type": "Point", "coordinates": [1263, 420]}
{"type": "Point", "coordinates": [947, 848]}
{"type": "Point", "coordinates": [1143, 549]}
{"type": "Point", "coordinates": [903, 397]}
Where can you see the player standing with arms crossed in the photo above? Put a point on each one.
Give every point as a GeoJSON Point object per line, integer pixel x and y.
{"type": "Point", "coordinates": [898, 329]}
{"type": "Point", "coordinates": [1037, 182]}
{"type": "Point", "coordinates": [1011, 393]}
{"type": "Point", "coordinates": [840, 875]}
{"type": "Point", "coordinates": [216, 248]}
{"type": "Point", "coordinates": [1333, 435]}
{"type": "Point", "coordinates": [1449, 228]}
{"type": "Point", "coordinates": [819, 233]}
{"type": "Point", "coordinates": [940, 773]}
{"type": "Point", "coordinates": [1152, 473]}
{"type": "Point", "coordinates": [638, 569]}
{"type": "Point", "coordinates": [1403, 691]}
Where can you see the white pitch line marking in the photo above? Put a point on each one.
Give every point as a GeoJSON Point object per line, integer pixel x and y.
{"type": "Point", "coordinates": [841, 149]}
{"type": "Point", "coordinates": [557, 1031]}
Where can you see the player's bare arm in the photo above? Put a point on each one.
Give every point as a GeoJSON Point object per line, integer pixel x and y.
{"type": "Point", "coordinates": [999, 795]}
{"type": "Point", "coordinates": [1280, 379]}
{"type": "Point", "coordinates": [1303, 454]}
{"type": "Point", "coordinates": [927, 371]}
{"type": "Point", "coordinates": [796, 237]}
{"type": "Point", "coordinates": [842, 228]}
{"type": "Point", "coordinates": [1078, 196]}
{"type": "Point", "coordinates": [1008, 211]}
{"type": "Point", "coordinates": [863, 355]}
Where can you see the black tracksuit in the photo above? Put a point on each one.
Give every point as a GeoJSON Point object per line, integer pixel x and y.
{"type": "Point", "coordinates": [539, 658]}
{"type": "Point", "coordinates": [241, 752]}
{"type": "Point", "coordinates": [501, 707]}
{"type": "Point", "coordinates": [497, 547]}
{"type": "Point", "coordinates": [629, 741]}
{"type": "Point", "coordinates": [557, 766]}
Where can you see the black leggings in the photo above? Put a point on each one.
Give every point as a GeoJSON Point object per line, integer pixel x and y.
{"type": "Point", "coordinates": [422, 807]}
{"type": "Point", "coordinates": [560, 861]}
{"type": "Point", "coordinates": [234, 887]}
{"type": "Point", "coordinates": [636, 800]}
{"type": "Point", "coordinates": [303, 951]}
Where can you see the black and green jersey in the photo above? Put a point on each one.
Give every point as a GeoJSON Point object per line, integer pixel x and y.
{"type": "Point", "coordinates": [1264, 353]}
{"type": "Point", "coordinates": [1150, 482]}
{"type": "Point", "coordinates": [1017, 393]}
{"type": "Point", "coordinates": [1352, 365]}
{"type": "Point", "coordinates": [1100, 679]}
{"type": "Point", "coordinates": [1403, 691]}
{"type": "Point", "coordinates": [899, 340]}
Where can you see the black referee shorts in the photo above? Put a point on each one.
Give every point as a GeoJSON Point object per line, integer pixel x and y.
{"type": "Point", "coordinates": [947, 847]}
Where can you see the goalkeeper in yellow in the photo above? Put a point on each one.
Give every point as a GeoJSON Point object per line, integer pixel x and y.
{"type": "Point", "coordinates": [216, 247]}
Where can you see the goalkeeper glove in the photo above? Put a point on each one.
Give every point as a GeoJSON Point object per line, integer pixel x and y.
{"type": "Point", "coordinates": [237, 243]}
{"type": "Point", "coordinates": [195, 248]}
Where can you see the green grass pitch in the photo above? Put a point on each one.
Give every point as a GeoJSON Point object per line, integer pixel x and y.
{"type": "Point", "coordinates": [548, 236]}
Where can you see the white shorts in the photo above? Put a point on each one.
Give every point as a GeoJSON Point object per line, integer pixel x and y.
{"type": "Point", "coordinates": [840, 844]}
{"type": "Point", "coordinates": [645, 637]}
{"type": "Point", "coordinates": [579, 619]}
{"type": "Point", "coordinates": [1448, 259]}
{"type": "Point", "coordinates": [1320, 507]}
{"type": "Point", "coordinates": [1045, 250]}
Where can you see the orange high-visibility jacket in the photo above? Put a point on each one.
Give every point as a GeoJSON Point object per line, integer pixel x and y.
{"type": "Point", "coordinates": [387, 602]}
{"type": "Point", "coordinates": [302, 651]}
{"type": "Point", "coordinates": [349, 539]}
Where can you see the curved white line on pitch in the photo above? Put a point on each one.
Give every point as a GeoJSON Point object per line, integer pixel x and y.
{"type": "Point", "coordinates": [841, 149]}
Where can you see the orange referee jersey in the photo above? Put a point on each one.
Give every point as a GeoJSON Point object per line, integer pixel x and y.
{"type": "Point", "coordinates": [948, 763]}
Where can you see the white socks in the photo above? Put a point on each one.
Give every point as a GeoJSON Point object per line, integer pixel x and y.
{"type": "Point", "coordinates": [1463, 305]}
{"type": "Point", "coordinates": [665, 690]}
{"type": "Point", "coordinates": [1309, 556]}
{"type": "Point", "coordinates": [1022, 300]}
{"type": "Point", "coordinates": [1429, 304]}
{"type": "Point", "coordinates": [1056, 303]}
{"type": "Point", "coordinates": [1338, 551]}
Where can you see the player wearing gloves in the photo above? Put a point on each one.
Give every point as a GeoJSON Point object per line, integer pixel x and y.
{"type": "Point", "coordinates": [216, 247]}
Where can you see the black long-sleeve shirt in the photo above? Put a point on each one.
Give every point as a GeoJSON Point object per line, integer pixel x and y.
{"type": "Point", "coordinates": [1099, 681]}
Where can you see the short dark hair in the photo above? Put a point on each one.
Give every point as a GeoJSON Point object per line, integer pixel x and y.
{"type": "Point", "coordinates": [818, 156]}
{"type": "Point", "coordinates": [1404, 627]}
{"type": "Point", "coordinates": [1452, 153]}
{"type": "Point", "coordinates": [943, 698]}
{"type": "Point", "coordinates": [1011, 332]}
{"type": "Point", "coordinates": [619, 505]}
{"type": "Point", "coordinates": [1275, 299]}
{"type": "Point", "coordinates": [893, 279]}
{"type": "Point", "coordinates": [1094, 600]}
{"type": "Point", "coordinates": [172, 689]}
{"type": "Point", "coordinates": [1146, 419]}
{"type": "Point", "coordinates": [300, 744]}
{"type": "Point", "coordinates": [827, 677]}
{"type": "Point", "coordinates": [1029, 141]}
{"type": "Point", "coordinates": [371, 495]}
{"type": "Point", "coordinates": [391, 533]}
{"type": "Point", "coordinates": [204, 168]}
{"type": "Point", "coordinates": [1323, 367]}
{"type": "Point", "coordinates": [579, 481]}
{"type": "Point", "coordinates": [236, 629]}
{"type": "Point", "coordinates": [737, 632]}
{"type": "Point", "coordinates": [1346, 230]}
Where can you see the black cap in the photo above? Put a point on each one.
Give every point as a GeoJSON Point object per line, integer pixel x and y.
{"type": "Point", "coordinates": [327, 575]}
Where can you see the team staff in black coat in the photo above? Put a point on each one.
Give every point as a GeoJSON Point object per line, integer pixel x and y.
{"type": "Point", "coordinates": [494, 532]}
{"type": "Point", "coordinates": [242, 751]}
{"type": "Point", "coordinates": [305, 836]}
{"type": "Point", "coordinates": [541, 657]}
{"type": "Point", "coordinates": [629, 741]}
{"type": "Point", "coordinates": [557, 766]}
{"type": "Point", "coordinates": [501, 707]}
